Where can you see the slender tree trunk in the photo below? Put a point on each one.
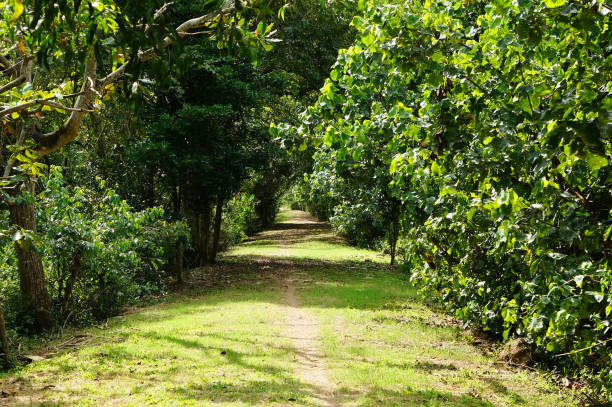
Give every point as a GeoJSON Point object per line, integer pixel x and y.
{"type": "Point", "coordinates": [3, 338]}
{"type": "Point", "coordinates": [205, 234]}
{"type": "Point", "coordinates": [178, 263]}
{"type": "Point", "coordinates": [31, 273]}
{"type": "Point", "coordinates": [176, 200]}
{"type": "Point", "coordinates": [196, 238]}
{"type": "Point", "coordinates": [75, 268]}
{"type": "Point", "coordinates": [177, 260]}
{"type": "Point", "coordinates": [217, 232]}
{"type": "Point", "coordinates": [393, 242]}
{"type": "Point", "coordinates": [394, 232]}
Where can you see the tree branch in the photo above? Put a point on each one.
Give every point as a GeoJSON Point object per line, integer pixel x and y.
{"type": "Point", "coordinates": [182, 31]}
{"type": "Point", "coordinates": [12, 84]}
{"type": "Point", "coordinates": [68, 109]}
{"type": "Point", "coordinates": [69, 130]}
{"type": "Point", "coordinates": [162, 10]}
{"type": "Point", "coordinates": [35, 102]}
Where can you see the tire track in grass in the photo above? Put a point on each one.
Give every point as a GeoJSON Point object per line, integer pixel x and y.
{"type": "Point", "coordinates": [303, 329]}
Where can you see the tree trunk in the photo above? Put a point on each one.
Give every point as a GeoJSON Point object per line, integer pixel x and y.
{"type": "Point", "coordinates": [394, 232]}
{"type": "Point", "coordinates": [75, 268]}
{"type": "Point", "coordinates": [196, 238]}
{"type": "Point", "coordinates": [178, 263]}
{"type": "Point", "coordinates": [177, 260]}
{"type": "Point", "coordinates": [205, 234]}
{"type": "Point", "coordinates": [217, 232]}
{"type": "Point", "coordinates": [31, 273]}
{"type": "Point", "coordinates": [3, 338]}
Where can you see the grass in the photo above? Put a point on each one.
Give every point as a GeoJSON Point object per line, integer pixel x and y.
{"type": "Point", "coordinates": [386, 348]}
{"type": "Point", "coordinates": [305, 240]}
{"type": "Point", "coordinates": [221, 349]}
{"type": "Point", "coordinates": [229, 346]}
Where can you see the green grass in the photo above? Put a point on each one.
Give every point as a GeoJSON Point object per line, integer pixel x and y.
{"type": "Point", "coordinates": [171, 354]}
{"type": "Point", "coordinates": [386, 348]}
{"type": "Point", "coordinates": [229, 347]}
{"type": "Point", "coordinates": [314, 242]}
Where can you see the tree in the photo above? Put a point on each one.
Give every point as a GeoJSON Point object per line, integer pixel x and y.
{"type": "Point", "coordinates": [3, 338]}
{"type": "Point", "coordinates": [47, 46]}
{"type": "Point", "coordinates": [498, 143]}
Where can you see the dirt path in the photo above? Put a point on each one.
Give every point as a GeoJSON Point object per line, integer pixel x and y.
{"type": "Point", "coordinates": [303, 330]}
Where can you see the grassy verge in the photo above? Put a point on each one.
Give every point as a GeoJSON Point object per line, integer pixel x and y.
{"type": "Point", "coordinates": [386, 348]}
{"type": "Point", "coordinates": [221, 349]}
{"type": "Point", "coordinates": [227, 345]}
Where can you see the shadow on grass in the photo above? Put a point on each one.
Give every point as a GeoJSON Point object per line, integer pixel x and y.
{"type": "Point", "coordinates": [354, 284]}
{"type": "Point", "coordinates": [412, 398]}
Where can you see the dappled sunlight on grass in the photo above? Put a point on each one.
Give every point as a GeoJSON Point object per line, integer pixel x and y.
{"type": "Point", "coordinates": [298, 235]}
{"type": "Point", "coordinates": [226, 343]}
{"type": "Point", "coordinates": [222, 349]}
{"type": "Point", "coordinates": [387, 348]}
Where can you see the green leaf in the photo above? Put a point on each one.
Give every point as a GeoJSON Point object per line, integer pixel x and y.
{"type": "Point", "coordinates": [579, 279]}
{"type": "Point", "coordinates": [554, 3]}
{"type": "Point", "coordinates": [327, 90]}
{"type": "Point", "coordinates": [368, 39]}
{"type": "Point", "coordinates": [487, 140]}
{"type": "Point", "coordinates": [506, 334]}
{"type": "Point", "coordinates": [595, 162]}
{"type": "Point", "coordinates": [393, 167]}
{"type": "Point", "coordinates": [435, 168]}
{"type": "Point", "coordinates": [17, 9]}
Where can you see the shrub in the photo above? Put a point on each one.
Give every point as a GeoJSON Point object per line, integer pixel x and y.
{"type": "Point", "coordinates": [114, 255]}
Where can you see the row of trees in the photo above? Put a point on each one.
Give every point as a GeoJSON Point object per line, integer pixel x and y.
{"type": "Point", "coordinates": [483, 129]}
{"type": "Point", "coordinates": [171, 103]}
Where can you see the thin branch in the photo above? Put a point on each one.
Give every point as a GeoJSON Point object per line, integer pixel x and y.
{"type": "Point", "coordinates": [34, 102]}
{"type": "Point", "coordinates": [24, 106]}
{"type": "Point", "coordinates": [68, 109]}
{"type": "Point", "coordinates": [12, 84]}
{"type": "Point", "coordinates": [182, 31]}
{"type": "Point", "coordinates": [189, 34]}
{"type": "Point", "coordinates": [4, 61]}
{"type": "Point", "coordinates": [583, 349]}
{"type": "Point", "coordinates": [475, 84]}
{"type": "Point", "coordinates": [11, 70]}
{"type": "Point", "coordinates": [162, 10]}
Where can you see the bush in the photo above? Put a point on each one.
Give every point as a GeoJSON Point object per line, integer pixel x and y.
{"type": "Point", "coordinates": [239, 219]}
{"type": "Point", "coordinates": [118, 256]}
{"type": "Point", "coordinates": [361, 224]}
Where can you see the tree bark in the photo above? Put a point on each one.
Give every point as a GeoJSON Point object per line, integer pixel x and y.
{"type": "Point", "coordinates": [178, 263]}
{"type": "Point", "coordinates": [217, 232]}
{"type": "Point", "coordinates": [75, 268]}
{"type": "Point", "coordinates": [31, 273]}
{"type": "Point", "coordinates": [205, 234]}
{"type": "Point", "coordinates": [196, 239]}
{"type": "Point", "coordinates": [394, 232]}
{"type": "Point", "coordinates": [3, 338]}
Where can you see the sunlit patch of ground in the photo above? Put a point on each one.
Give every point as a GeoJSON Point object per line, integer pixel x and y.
{"type": "Point", "coordinates": [222, 340]}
